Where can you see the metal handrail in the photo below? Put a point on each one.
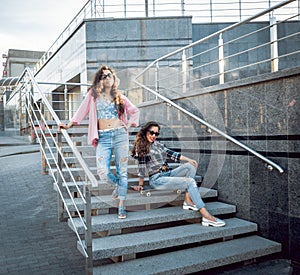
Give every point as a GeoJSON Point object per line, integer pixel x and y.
{"type": "Point", "coordinates": [89, 10]}
{"type": "Point", "coordinates": [55, 182]}
{"type": "Point", "coordinates": [211, 127]}
{"type": "Point", "coordinates": [244, 51]}
{"type": "Point", "coordinates": [213, 35]}
{"type": "Point", "coordinates": [270, 163]}
{"type": "Point", "coordinates": [90, 178]}
{"type": "Point", "coordinates": [65, 133]}
{"type": "Point", "coordinates": [17, 80]}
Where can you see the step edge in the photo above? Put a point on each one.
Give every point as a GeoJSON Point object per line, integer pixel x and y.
{"type": "Point", "coordinates": [266, 248]}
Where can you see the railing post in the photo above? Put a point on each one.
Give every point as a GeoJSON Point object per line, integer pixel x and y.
{"type": "Point", "coordinates": [20, 112]}
{"type": "Point", "coordinates": [60, 205]}
{"type": "Point", "coordinates": [210, 11]}
{"type": "Point", "coordinates": [274, 44]}
{"type": "Point", "coordinates": [31, 111]}
{"type": "Point", "coordinates": [88, 231]}
{"type": "Point", "coordinates": [26, 114]}
{"type": "Point", "coordinates": [184, 72]}
{"type": "Point", "coordinates": [2, 127]}
{"type": "Point", "coordinates": [93, 8]}
{"type": "Point", "coordinates": [146, 9]}
{"type": "Point", "coordinates": [124, 5]}
{"type": "Point", "coordinates": [221, 59]}
{"type": "Point", "coordinates": [240, 10]}
{"type": "Point", "coordinates": [182, 7]}
{"type": "Point", "coordinates": [66, 102]}
{"type": "Point", "coordinates": [43, 144]}
{"type": "Point", "coordinates": [156, 78]}
{"type": "Point", "coordinates": [26, 102]}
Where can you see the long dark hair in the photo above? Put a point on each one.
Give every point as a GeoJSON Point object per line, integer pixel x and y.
{"type": "Point", "coordinates": [141, 145]}
{"type": "Point", "coordinates": [97, 88]}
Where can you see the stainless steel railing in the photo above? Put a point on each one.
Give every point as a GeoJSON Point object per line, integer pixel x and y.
{"type": "Point", "coordinates": [182, 72]}
{"type": "Point", "coordinates": [208, 11]}
{"type": "Point", "coordinates": [52, 154]}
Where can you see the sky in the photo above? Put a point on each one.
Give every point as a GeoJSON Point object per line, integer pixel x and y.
{"type": "Point", "coordinates": [34, 24]}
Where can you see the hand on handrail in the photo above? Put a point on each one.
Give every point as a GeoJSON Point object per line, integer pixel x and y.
{"type": "Point", "coordinates": [65, 126]}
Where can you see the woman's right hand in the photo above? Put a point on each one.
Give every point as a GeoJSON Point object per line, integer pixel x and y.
{"type": "Point", "coordinates": [63, 126]}
{"type": "Point", "coordinates": [137, 188]}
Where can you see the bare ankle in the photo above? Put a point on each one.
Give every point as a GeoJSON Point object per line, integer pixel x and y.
{"type": "Point", "coordinates": [204, 213]}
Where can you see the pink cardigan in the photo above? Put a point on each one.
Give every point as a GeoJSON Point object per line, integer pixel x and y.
{"type": "Point", "coordinates": [88, 106]}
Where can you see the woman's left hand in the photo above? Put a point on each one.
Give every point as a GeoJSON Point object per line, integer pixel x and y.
{"type": "Point", "coordinates": [137, 188]}
{"type": "Point", "coordinates": [194, 163]}
{"type": "Point", "coordinates": [191, 161]}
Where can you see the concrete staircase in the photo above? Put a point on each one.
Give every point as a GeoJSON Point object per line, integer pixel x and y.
{"type": "Point", "coordinates": [170, 240]}
{"type": "Point", "coordinates": [158, 236]}
{"type": "Point", "coordinates": [194, 259]}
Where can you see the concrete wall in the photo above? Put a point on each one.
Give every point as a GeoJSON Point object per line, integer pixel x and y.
{"type": "Point", "coordinates": [129, 45]}
{"type": "Point", "coordinates": [263, 113]}
{"type": "Point", "coordinates": [126, 45]}
{"type": "Point", "coordinates": [17, 60]}
{"type": "Point", "coordinates": [68, 63]}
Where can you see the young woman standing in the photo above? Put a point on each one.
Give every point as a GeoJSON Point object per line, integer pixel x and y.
{"type": "Point", "coordinates": [110, 116]}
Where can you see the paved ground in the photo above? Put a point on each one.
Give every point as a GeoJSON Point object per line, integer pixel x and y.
{"type": "Point", "coordinates": [32, 241]}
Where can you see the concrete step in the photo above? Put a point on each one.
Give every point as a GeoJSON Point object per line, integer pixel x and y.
{"type": "Point", "coordinates": [195, 259]}
{"type": "Point", "coordinates": [94, 168]}
{"type": "Point", "coordinates": [149, 217]}
{"type": "Point", "coordinates": [137, 242]}
{"type": "Point", "coordinates": [90, 160]}
{"type": "Point", "coordinates": [109, 187]}
{"type": "Point", "coordinates": [135, 198]}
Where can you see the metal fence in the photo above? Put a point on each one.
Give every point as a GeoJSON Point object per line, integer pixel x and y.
{"type": "Point", "coordinates": [204, 11]}
{"type": "Point", "coordinates": [245, 49]}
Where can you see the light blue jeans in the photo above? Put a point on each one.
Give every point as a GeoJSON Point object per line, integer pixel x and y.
{"type": "Point", "coordinates": [116, 141]}
{"type": "Point", "coordinates": [181, 178]}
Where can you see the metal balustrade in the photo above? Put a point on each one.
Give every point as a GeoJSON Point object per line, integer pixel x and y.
{"type": "Point", "coordinates": [38, 114]}
{"type": "Point", "coordinates": [185, 71]}
{"type": "Point", "coordinates": [204, 11]}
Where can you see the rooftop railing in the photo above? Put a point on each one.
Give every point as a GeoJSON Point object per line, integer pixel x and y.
{"type": "Point", "coordinates": [204, 11]}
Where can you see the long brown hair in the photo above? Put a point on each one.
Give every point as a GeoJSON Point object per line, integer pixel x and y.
{"type": "Point", "coordinates": [97, 88]}
{"type": "Point", "coordinates": [141, 146]}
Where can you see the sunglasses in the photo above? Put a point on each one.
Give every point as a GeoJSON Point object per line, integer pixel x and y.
{"type": "Point", "coordinates": [154, 133]}
{"type": "Point", "coordinates": [104, 76]}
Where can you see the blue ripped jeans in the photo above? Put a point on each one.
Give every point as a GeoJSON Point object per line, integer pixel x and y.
{"type": "Point", "coordinates": [115, 140]}
{"type": "Point", "coordinates": [181, 178]}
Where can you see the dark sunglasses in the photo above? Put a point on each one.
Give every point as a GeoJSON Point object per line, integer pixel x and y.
{"type": "Point", "coordinates": [154, 133]}
{"type": "Point", "coordinates": [104, 76]}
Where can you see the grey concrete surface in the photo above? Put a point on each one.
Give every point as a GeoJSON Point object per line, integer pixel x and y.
{"type": "Point", "coordinates": [34, 242]}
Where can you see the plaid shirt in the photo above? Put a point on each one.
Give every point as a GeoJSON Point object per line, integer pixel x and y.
{"type": "Point", "coordinates": [156, 158]}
